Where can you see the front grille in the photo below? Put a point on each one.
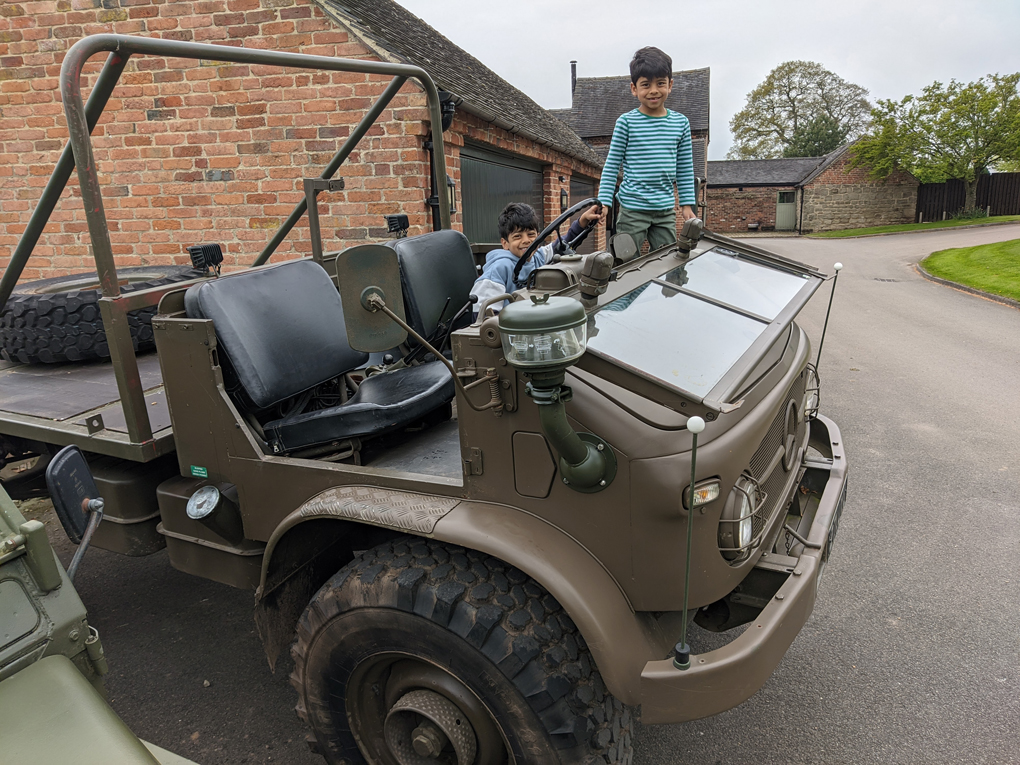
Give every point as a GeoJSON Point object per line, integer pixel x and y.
{"type": "Point", "coordinates": [777, 431]}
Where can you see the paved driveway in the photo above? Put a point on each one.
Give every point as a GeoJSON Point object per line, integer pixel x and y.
{"type": "Point", "coordinates": [911, 655]}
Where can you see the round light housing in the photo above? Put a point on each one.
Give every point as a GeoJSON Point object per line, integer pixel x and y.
{"type": "Point", "coordinates": [744, 527]}
{"type": "Point", "coordinates": [546, 333]}
{"type": "Point", "coordinates": [736, 524]}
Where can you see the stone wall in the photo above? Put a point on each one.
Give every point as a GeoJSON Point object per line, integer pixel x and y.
{"type": "Point", "coordinates": [841, 198]}
{"type": "Point", "coordinates": [733, 210]}
{"type": "Point", "coordinates": [192, 152]}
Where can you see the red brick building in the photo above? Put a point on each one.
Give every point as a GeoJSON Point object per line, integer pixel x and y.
{"type": "Point", "coordinates": [200, 151]}
{"type": "Point", "coordinates": [804, 194]}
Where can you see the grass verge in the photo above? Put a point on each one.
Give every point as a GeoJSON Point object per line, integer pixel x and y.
{"type": "Point", "coordinates": [992, 268]}
{"type": "Point", "coordinates": [914, 227]}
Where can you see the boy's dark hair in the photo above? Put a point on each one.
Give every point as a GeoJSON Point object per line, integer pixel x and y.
{"type": "Point", "coordinates": [651, 63]}
{"type": "Point", "coordinates": [517, 216]}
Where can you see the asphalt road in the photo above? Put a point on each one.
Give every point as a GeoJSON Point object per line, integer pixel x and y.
{"type": "Point", "coordinates": [911, 655]}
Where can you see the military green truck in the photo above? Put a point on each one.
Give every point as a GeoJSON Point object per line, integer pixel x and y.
{"type": "Point", "coordinates": [482, 540]}
{"type": "Point", "coordinates": [52, 662]}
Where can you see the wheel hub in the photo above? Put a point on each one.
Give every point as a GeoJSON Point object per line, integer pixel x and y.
{"type": "Point", "coordinates": [424, 728]}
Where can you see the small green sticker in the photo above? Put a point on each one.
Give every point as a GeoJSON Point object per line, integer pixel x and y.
{"type": "Point", "coordinates": [201, 472]}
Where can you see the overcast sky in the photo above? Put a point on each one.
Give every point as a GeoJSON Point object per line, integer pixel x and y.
{"type": "Point", "coordinates": [890, 47]}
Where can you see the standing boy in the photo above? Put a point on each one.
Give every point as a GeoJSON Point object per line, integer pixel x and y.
{"type": "Point", "coordinates": [653, 144]}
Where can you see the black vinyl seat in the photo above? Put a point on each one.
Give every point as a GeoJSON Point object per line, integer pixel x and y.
{"type": "Point", "coordinates": [437, 272]}
{"type": "Point", "coordinates": [383, 402]}
{"type": "Point", "coordinates": [282, 331]}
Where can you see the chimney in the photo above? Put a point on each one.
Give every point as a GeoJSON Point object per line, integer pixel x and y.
{"type": "Point", "coordinates": [573, 77]}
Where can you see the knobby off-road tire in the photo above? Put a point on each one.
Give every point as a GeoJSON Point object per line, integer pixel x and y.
{"type": "Point", "coordinates": [418, 614]}
{"type": "Point", "coordinates": [54, 320]}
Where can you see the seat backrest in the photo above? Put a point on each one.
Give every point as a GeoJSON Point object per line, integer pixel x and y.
{"type": "Point", "coordinates": [434, 267]}
{"type": "Point", "coordinates": [281, 328]}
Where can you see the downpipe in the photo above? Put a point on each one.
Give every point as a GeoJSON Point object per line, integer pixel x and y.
{"type": "Point", "coordinates": [587, 463]}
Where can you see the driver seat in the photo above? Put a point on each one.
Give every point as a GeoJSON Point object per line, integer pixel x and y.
{"type": "Point", "coordinates": [282, 332]}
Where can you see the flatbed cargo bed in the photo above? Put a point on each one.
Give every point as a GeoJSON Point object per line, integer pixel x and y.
{"type": "Point", "coordinates": [60, 404]}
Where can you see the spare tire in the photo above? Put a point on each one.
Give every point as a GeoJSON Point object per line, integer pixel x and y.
{"type": "Point", "coordinates": [54, 320]}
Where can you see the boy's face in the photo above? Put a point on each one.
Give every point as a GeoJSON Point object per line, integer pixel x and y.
{"type": "Point", "coordinates": [652, 93]}
{"type": "Point", "coordinates": [519, 241]}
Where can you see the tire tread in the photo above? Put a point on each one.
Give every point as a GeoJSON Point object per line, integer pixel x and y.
{"type": "Point", "coordinates": [497, 609]}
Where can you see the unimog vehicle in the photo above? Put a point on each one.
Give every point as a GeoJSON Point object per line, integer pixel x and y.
{"type": "Point", "coordinates": [481, 541]}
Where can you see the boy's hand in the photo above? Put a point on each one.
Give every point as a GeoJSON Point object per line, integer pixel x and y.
{"type": "Point", "coordinates": [687, 212]}
{"type": "Point", "coordinates": [594, 213]}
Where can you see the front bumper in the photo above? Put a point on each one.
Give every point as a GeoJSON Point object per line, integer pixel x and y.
{"type": "Point", "coordinates": [721, 679]}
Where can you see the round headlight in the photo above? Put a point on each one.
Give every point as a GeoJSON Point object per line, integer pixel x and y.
{"type": "Point", "coordinates": [736, 524]}
{"type": "Point", "coordinates": [546, 333]}
{"type": "Point", "coordinates": [745, 525]}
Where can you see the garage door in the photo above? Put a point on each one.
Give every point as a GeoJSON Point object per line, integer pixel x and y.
{"type": "Point", "coordinates": [582, 188]}
{"type": "Point", "coordinates": [489, 182]}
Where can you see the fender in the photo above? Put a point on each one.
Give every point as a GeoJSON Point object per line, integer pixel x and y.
{"type": "Point", "coordinates": [621, 641]}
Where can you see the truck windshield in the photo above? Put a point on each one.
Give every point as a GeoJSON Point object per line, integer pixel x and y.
{"type": "Point", "coordinates": [688, 328]}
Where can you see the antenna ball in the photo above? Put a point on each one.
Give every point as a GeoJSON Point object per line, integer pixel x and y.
{"type": "Point", "coordinates": [695, 425]}
{"type": "Point", "coordinates": [838, 266]}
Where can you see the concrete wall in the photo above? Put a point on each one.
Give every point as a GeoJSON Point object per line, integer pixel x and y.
{"type": "Point", "coordinates": [192, 152]}
{"type": "Point", "coordinates": [840, 198]}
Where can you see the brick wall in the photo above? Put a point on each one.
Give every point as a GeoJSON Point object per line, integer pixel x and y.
{"type": "Point", "coordinates": [840, 198]}
{"type": "Point", "coordinates": [733, 209]}
{"type": "Point", "coordinates": [193, 151]}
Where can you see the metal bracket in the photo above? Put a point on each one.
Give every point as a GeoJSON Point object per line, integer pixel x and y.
{"type": "Point", "coordinates": [312, 188]}
{"type": "Point", "coordinates": [94, 424]}
{"type": "Point", "coordinates": [473, 462]}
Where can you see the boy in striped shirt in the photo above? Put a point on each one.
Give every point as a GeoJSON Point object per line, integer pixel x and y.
{"type": "Point", "coordinates": [653, 144]}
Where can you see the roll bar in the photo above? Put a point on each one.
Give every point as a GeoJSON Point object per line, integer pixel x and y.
{"type": "Point", "coordinates": [82, 118]}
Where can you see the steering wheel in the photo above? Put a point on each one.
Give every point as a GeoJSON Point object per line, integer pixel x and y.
{"type": "Point", "coordinates": [554, 226]}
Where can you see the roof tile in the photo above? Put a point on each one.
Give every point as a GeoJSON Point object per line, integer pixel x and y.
{"type": "Point", "coordinates": [410, 39]}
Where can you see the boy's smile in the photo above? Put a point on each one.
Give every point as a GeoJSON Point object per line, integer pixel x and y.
{"type": "Point", "coordinates": [652, 95]}
{"type": "Point", "coordinates": [519, 241]}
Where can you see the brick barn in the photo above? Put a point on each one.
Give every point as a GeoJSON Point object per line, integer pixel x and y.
{"type": "Point", "coordinates": [804, 194]}
{"type": "Point", "coordinates": [200, 151]}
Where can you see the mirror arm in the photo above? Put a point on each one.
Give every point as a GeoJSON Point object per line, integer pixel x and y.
{"type": "Point", "coordinates": [375, 302]}
{"type": "Point", "coordinates": [95, 508]}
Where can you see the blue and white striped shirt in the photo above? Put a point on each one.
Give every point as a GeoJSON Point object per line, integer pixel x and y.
{"type": "Point", "coordinates": [656, 154]}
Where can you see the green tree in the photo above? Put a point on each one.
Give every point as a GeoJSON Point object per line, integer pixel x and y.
{"type": "Point", "coordinates": [794, 95]}
{"type": "Point", "coordinates": [949, 131]}
{"type": "Point", "coordinates": [816, 138]}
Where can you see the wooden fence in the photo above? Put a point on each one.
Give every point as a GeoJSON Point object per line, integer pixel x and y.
{"type": "Point", "coordinates": [999, 191]}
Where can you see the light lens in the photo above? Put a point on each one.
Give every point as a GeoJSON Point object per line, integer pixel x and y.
{"type": "Point", "coordinates": [745, 526]}
{"type": "Point", "coordinates": [545, 348]}
{"type": "Point", "coordinates": [703, 493]}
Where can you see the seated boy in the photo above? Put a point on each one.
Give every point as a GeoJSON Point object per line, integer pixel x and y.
{"type": "Point", "coordinates": [518, 228]}
{"type": "Point", "coordinates": [653, 144]}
